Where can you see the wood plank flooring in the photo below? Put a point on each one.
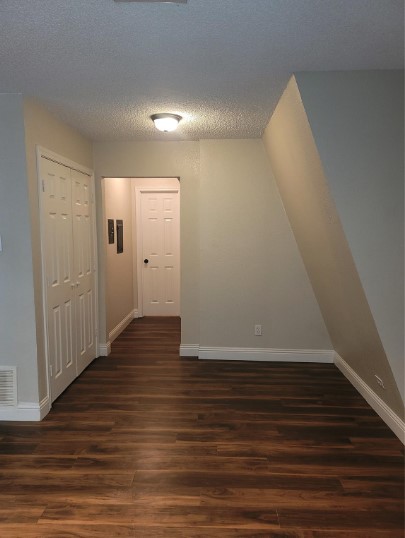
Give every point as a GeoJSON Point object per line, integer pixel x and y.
{"type": "Point", "coordinates": [149, 445]}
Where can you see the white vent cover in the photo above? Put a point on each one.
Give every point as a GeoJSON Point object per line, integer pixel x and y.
{"type": "Point", "coordinates": [8, 386]}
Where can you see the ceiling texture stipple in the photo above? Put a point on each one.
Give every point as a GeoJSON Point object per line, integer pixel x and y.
{"type": "Point", "coordinates": [104, 67]}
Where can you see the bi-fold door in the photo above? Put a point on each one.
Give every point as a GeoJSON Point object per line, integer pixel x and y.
{"type": "Point", "coordinates": [69, 271]}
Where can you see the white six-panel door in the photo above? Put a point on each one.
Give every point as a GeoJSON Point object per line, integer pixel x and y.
{"type": "Point", "coordinates": [159, 238]}
{"type": "Point", "coordinates": [84, 267]}
{"type": "Point", "coordinates": [69, 267]}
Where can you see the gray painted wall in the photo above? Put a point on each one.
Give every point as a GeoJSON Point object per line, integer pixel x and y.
{"type": "Point", "coordinates": [17, 307]}
{"type": "Point", "coordinates": [357, 120]}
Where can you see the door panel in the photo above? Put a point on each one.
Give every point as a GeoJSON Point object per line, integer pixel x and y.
{"type": "Point", "coordinates": [160, 237]}
{"type": "Point", "coordinates": [58, 246]}
{"type": "Point", "coordinates": [84, 268]}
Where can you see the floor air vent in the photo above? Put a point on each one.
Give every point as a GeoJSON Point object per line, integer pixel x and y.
{"type": "Point", "coordinates": [8, 386]}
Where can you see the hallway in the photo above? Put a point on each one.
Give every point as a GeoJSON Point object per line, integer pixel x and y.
{"type": "Point", "coordinates": [146, 444]}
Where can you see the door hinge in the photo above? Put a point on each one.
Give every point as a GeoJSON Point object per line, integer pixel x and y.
{"type": "Point", "coordinates": [43, 185]}
{"type": "Point", "coordinates": [50, 370]}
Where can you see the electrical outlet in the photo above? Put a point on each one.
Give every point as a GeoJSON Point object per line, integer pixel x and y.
{"type": "Point", "coordinates": [380, 381]}
{"type": "Point", "coordinates": [258, 330]}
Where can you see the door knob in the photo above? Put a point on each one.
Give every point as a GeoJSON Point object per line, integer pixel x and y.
{"type": "Point", "coordinates": [146, 260]}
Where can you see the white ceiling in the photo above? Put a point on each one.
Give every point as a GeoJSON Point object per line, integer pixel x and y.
{"type": "Point", "coordinates": [104, 67]}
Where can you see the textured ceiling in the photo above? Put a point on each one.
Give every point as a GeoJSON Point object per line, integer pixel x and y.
{"type": "Point", "coordinates": [104, 66]}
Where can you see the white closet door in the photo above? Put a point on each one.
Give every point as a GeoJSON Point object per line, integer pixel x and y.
{"type": "Point", "coordinates": [59, 273]}
{"type": "Point", "coordinates": [69, 266]}
{"type": "Point", "coordinates": [84, 269]}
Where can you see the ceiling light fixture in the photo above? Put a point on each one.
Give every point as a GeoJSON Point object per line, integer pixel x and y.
{"type": "Point", "coordinates": [166, 122]}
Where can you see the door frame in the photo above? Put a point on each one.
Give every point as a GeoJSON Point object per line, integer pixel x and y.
{"type": "Point", "coordinates": [137, 223]}
{"type": "Point", "coordinates": [64, 161]}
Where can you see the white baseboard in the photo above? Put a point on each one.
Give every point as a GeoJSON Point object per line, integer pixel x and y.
{"type": "Point", "coordinates": [26, 411]}
{"type": "Point", "coordinates": [392, 420]}
{"type": "Point", "coordinates": [121, 326]}
{"type": "Point", "coordinates": [257, 354]}
{"type": "Point", "coordinates": [189, 350]}
{"type": "Point", "coordinates": [266, 354]}
{"type": "Point", "coordinates": [44, 407]}
{"type": "Point", "coordinates": [104, 349]}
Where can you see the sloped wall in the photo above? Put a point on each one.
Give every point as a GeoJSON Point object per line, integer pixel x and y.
{"type": "Point", "coordinates": [317, 227]}
{"type": "Point", "coordinates": [17, 307]}
{"type": "Point", "coordinates": [357, 120]}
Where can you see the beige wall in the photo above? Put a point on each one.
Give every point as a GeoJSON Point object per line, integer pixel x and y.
{"type": "Point", "coordinates": [119, 267]}
{"type": "Point", "coordinates": [24, 124]}
{"type": "Point", "coordinates": [41, 128]}
{"type": "Point", "coordinates": [17, 309]}
{"type": "Point", "coordinates": [323, 245]}
{"type": "Point", "coordinates": [250, 269]}
{"type": "Point", "coordinates": [357, 120]}
{"type": "Point", "coordinates": [157, 159]}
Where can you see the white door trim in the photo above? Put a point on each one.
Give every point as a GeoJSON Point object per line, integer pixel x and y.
{"type": "Point", "coordinates": [137, 232]}
{"type": "Point", "coordinates": [64, 161]}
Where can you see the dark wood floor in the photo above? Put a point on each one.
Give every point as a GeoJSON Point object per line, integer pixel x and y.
{"type": "Point", "coordinates": [149, 445]}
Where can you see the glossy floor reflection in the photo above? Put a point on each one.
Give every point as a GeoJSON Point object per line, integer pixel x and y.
{"type": "Point", "coordinates": [148, 444]}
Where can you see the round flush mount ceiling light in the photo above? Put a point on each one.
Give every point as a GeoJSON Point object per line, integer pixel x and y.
{"type": "Point", "coordinates": [166, 122]}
